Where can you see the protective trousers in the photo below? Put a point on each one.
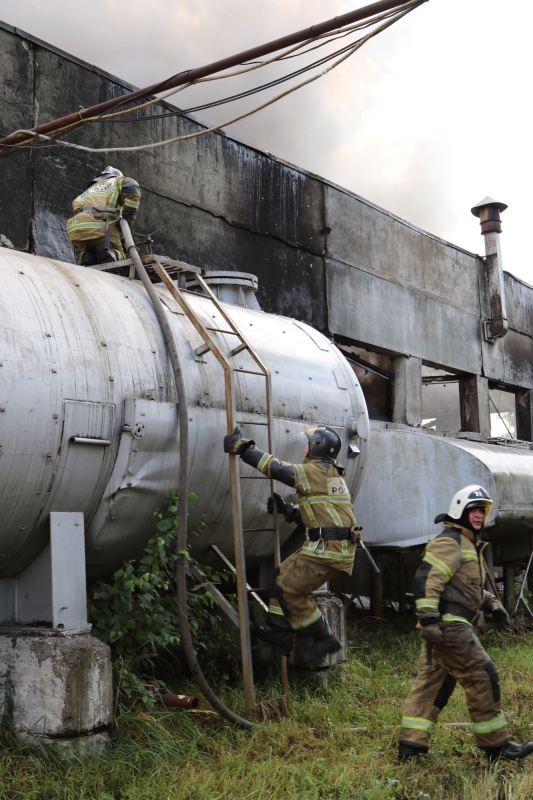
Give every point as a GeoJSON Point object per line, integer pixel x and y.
{"type": "Point", "coordinates": [115, 243]}
{"type": "Point", "coordinates": [459, 658]}
{"type": "Point", "coordinates": [297, 577]}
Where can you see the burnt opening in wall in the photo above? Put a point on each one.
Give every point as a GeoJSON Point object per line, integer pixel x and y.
{"type": "Point", "coordinates": [502, 409]}
{"type": "Point", "coordinates": [441, 403]}
{"type": "Point", "coordinates": [374, 372]}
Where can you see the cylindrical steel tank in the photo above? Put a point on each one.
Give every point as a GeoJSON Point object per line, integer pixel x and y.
{"type": "Point", "coordinates": [411, 476]}
{"type": "Point", "coordinates": [88, 418]}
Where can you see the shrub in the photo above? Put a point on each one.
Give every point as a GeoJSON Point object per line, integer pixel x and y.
{"type": "Point", "coordinates": [135, 611]}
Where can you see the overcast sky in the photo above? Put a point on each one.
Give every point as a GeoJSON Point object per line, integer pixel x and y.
{"type": "Point", "coordinates": [425, 120]}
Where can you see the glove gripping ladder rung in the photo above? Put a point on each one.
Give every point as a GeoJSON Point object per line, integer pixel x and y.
{"type": "Point", "coordinates": [236, 504]}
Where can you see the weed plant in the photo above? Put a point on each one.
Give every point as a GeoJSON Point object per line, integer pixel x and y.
{"type": "Point", "coordinates": [135, 613]}
{"type": "Point", "coordinates": [337, 743]}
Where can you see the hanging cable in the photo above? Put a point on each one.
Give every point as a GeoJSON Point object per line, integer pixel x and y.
{"type": "Point", "coordinates": [153, 145]}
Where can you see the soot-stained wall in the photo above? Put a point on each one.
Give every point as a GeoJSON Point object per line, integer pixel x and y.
{"type": "Point", "coordinates": [322, 254]}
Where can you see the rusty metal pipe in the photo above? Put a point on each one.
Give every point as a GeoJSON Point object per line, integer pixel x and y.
{"type": "Point", "coordinates": [189, 76]}
{"type": "Point", "coordinates": [177, 700]}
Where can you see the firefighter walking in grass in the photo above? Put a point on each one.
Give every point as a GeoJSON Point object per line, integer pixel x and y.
{"type": "Point", "coordinates": [94, 227]}
{"type": "Point", "coordinates": [450, 598]}
{"type": "Point", "coordinates": [326, 511]}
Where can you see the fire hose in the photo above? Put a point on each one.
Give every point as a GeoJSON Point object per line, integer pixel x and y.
{"type": "Point", "coordinates": [183, 487]}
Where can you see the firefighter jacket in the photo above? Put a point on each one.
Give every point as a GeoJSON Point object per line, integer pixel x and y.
{"type": "Point", "coordinates": [449, 582]}
{"type": "Point", "coordinates": [325, 503]}
{"type": "Point", "coordinates": [103, 203]}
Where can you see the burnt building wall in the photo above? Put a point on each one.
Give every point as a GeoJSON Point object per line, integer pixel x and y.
{"type": "Point", "coordinates": [322, 254]}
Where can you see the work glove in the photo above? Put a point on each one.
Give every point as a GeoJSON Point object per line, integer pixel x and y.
{"type": "Point", "coordinates": [278, 501]}
{"type": "Point", "coordinates": [431, 631]}
{"type": "Point", "coordinates": [502, 620]}
{"type": "Point", "coordinates": [289, 511]}
{"type": "Point", "coordinates": [235, 444]}
{"type": "Point", "coordinates": [129, 214]}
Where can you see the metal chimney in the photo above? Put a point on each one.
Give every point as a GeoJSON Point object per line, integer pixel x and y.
{"type": "Point", "coordinates": [488, 211]}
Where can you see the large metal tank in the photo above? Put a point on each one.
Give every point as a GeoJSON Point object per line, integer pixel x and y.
{"type": "Point", "coordinates": [412, 474]}
{"type": "Point", "coordinates": [88, 418]}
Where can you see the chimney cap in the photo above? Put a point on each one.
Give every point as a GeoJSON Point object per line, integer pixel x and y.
{"type": "Point", "coordinates": [487, 202]}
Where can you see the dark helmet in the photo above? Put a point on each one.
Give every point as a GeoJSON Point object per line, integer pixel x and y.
{"type": "Point", "coordinates": [324, 442]}
{"type": "Point", "coordinates": [463, 501]}
{"type": "Point", "coordinates": [109, 172]}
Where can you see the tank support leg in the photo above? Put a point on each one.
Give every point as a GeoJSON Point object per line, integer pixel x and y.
{"type": "Point", "coordinates": [52, 589]}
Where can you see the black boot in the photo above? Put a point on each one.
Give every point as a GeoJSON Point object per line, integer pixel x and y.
{"type": "Point", "coordinates": [106, 254]}
{"type": "Point", "coordinates": [509, 751]}
{"type": "Point", "coordinates": [325, 641]}
{"type": "Point", "coordinates": [89, 258]}
{"type": "Point", "coordinates": [280, 638]}
{"type": "Point", "coordinates": [408, 751]}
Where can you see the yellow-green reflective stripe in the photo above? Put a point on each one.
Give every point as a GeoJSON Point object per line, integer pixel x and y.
{"type": "Point", "coordinates": [490, 725]}
{"type": "Point", "coordinates": [315, 616]}
{"type": "Point", "coordinates": [427, 602]}
{"type": "Point", "coordinates": [78, 226]}
{"type": "Point", "coordinates": [306, 508]}
{"type": "Point", "coordinates": [469, 555]}
{"type": "Point", "coordinates": [331, 555]}
{"type": "Point", "coordinates": [275, 610]}
{"type": "Point", "coordinates": [265, 458]}
{"type": "Point", "coordinates": [303, 477]}
{"type": "Point", "coordinates": [452, 618]}
{"type": "Point", "coordinates": [438, 564]}
{"type": "Point", "coordinates": [418, 723]}
{"type": "Point", "coordinates": [329, 498]}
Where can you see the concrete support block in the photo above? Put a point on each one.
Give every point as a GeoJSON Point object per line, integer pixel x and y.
{"type": "Point", "coordinates": [56, 688]}
{"type": "Point", "coordinates": [407, 390]}
{"type": "Point", "coordinates": [475, 411]}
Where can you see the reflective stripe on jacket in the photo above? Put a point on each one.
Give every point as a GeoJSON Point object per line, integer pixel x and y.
{"type": "Point", "coordinates": [113, 194]}
{"type": "Point", "coordinates": [452, 571]}
{"type": "Point", "coordinates": [324, 499]}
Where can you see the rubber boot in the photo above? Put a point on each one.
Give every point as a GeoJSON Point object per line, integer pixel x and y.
{"type": "Point", "coordinates": [280, 638]}
{"type": "Point", "coordinates": [408, 751]}
{"type": "Point", "coordinates": [89, 258]}
{"type": "Point", "coordinates": [106, 254]}
{"type": "Point", "coordinates": [325, 641]}
{"type": "Point", "coordinates": [509, 751]}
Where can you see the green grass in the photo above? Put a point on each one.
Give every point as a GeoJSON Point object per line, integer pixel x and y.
{"type": "Point", "coordinates": [338, 743]}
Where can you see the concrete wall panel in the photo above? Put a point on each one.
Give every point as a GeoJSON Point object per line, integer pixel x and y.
{"type": "Point", "coordinates": [363, 235]}
{"type": "Point", "coordinates": [391, 317]}
{"type": "Point", "coordinates": [16, 111]}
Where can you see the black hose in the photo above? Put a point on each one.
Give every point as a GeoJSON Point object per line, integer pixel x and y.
{"type": "Point", "coordinates": [183, 488]}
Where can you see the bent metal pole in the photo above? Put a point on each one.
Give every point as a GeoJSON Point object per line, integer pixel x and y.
{"type": "Point", "coordinates": [191, 75]}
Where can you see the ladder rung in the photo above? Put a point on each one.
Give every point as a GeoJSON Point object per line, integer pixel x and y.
{"type": "Point", "coordinates": [254, 478]}
{"type": "Point", "coordinates": [240, 347]}
{"type": "Point", "coordinates": [220, 330]}
{"type": "Point", "coordinates": [257, 530]}
{"type": "Point", "coordinates": [202, 349]}
{"type": "Point", "coordinates": [251, 372]}
{"type": "Point", "coordinates": [251, 422]}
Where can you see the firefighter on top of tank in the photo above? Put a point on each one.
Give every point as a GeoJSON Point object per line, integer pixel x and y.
{"type": "Point", "coordinates": [326, 511]}
{"type": "Point", "coordinates": [449, 597]}
{"type": "Point", "coordinates": [94, 227]}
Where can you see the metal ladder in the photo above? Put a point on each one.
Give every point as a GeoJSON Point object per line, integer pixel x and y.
{"type": "Point", "coordinates": [163, 268]}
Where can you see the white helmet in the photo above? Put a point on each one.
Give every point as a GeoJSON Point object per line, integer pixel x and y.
{"type": "Point", "coordinates": [471, 496]}
{"type": "Point", "coordinates": [109, 172]}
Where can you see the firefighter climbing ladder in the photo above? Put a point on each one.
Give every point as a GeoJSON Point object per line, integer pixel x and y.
{"type": "Point", "coordinates": [164, 268]}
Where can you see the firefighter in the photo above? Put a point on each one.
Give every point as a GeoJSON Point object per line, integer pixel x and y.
{"type": "Point", "coordinates": [450, 598]}
{"type": "Point", "coordinates": [93, 229]}
{"type": "Point", "coordinates": [327, 513]}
